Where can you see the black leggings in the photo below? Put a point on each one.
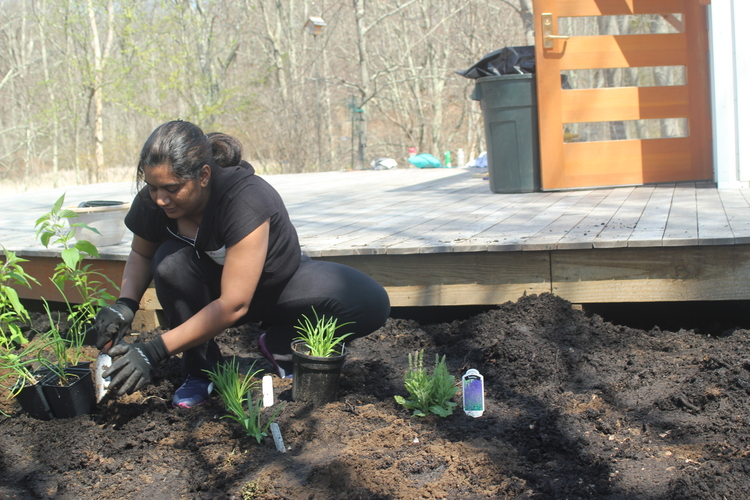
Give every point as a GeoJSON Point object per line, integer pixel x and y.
{"type": "Point", "coordinates": [186, 282]}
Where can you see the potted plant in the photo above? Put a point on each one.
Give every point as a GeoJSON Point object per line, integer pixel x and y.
{"type": "Point", "coordinates": [318, 355]}
{"type": "Point", "coordinates": [17, 354]}
{"type": "Point", "coordinates": [69, 387]}
{"type": "Point", "coordinates": [23, 381]}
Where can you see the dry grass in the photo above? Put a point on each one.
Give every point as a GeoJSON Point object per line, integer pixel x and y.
{"type": "Point", "coordinates": [45, 180]}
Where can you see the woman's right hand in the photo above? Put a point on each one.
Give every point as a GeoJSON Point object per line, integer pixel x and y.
{"type": "Point", "coordinates": [112, 323]}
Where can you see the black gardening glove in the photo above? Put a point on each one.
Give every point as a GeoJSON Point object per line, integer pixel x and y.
{"type": "Point", "coordinates": [113, 322]}
{"type": "Point", "coordinates": [133, 370]}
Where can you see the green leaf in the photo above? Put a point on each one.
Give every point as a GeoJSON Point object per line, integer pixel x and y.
{"type": "Point", "coordinates": [87, 247]}
{"type": "Point", "coordinates": [71, 257]}
{"type": "Point", "coordinates": [58, 204]}
{"type": "Point", "coordinates": [443, 411]}
{"type": "Point", "coordinates": [67, 214]}
{"type": "Point", "coordinates": [43, 218]}
{"type": "Point", "coordinates": [82, 225]}
{"type": "Point", "coordinates": [45, 238]}
{"type": "Point", "coordinates": [14, 301]}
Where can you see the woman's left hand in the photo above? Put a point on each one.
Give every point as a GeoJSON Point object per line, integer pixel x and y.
{"type": "Point", "coordinates": [134, 369]}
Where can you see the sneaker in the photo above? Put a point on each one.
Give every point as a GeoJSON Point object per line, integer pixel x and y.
{"type": "Point", "coordinates": [193, 392]}
{"type": "Point", "coordinates": [281, 363]}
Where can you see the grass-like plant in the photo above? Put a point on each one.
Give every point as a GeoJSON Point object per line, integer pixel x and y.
{"type": "Point", "coordinates": [235, 391]}
{"type": "Point", "coordinates": [428, 393]}
{"type": "Point", "coordinates": [65, 346]}
{"type": "Point", "coordinates": [320, 336]}
{"type": "Point", "coordinates": [17, 365]}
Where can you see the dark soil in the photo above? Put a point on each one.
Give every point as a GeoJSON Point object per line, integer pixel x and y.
{"type": "Point", "coordinates": [576, 408]}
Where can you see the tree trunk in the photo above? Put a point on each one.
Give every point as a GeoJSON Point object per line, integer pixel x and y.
{"type": "Point", "coordinates": [364, 80]}
{"type": "Point", "coordinates": [100, 57]}
{"type": "Point", "coordinates": [52, 99]}
{"type": "Point", "coordinates": [527, 16]}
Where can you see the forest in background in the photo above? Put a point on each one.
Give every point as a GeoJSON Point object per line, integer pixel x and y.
{"type": "Point", "coordinates": [83, 82]}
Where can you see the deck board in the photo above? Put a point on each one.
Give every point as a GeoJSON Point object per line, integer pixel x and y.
{"type": "Point", "coordinates": [440, 236]}
{"type": "Point", "coordinates": [682, 226]}
{"type": "Point", "coordinates": [649, 231]}
{"type": "Point", "coordinates": [621, 226]}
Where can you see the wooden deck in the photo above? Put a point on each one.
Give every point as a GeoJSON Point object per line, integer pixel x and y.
{"type": "Point", "coordinates": [441, 237]}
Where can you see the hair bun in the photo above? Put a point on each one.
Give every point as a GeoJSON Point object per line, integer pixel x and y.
{"type": "Point", "coordinates": [227, 150]}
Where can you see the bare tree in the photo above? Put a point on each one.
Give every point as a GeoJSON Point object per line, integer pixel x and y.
{"type": "Point", "coordinates": [82, 79]}
{"type": "Point", "coordinates": [101, 51]}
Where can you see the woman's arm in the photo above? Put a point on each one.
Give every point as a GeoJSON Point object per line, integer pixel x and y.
{"type": "Point", "coordinates": [137, 274]}
{"type": "Point", "coordinates": [242, 269]}
{"type": "Point", "coordinates": [113, 322]}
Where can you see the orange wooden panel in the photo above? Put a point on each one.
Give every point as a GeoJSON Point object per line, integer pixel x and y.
{"type": "Point", "coordinates": [549, 100]}
{"type": "Point", "coordinates": [572, 8]}
{"type": "Point", "coordinates": [698, 77]}
{"type": "Point", "coordinates": [626, 162]}
{"type": "Point", "coordinates": [624, 103]}
{"type": "Point", "coordinates": [623, 51]}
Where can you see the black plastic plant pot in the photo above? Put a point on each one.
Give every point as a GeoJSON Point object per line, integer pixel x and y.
{"type": "Point", "coordinates": [316, 379]}
{"type": "Point", "coordinates": [76, 398]}
{"type": "Point", "coordinates": [32, 398]}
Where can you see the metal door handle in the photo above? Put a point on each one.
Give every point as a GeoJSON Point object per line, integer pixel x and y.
{"type": "Point", "coordinates": [547, 36]}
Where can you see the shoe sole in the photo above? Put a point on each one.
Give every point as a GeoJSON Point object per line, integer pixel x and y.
{"type": "Point", "coordinates": [184, 405]}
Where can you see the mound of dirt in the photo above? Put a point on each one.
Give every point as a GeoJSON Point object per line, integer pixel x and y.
{"type": "Point", "coordinates": [575, 408]}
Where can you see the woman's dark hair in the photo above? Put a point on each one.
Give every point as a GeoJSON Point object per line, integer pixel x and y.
{"type": "Point", "coordinates": [185, 149]}
{"type": "Point", "coordinates": [227, 150]}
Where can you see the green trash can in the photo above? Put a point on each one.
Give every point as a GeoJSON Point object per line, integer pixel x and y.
{"type": "Point", "coordinates": [511, 130]}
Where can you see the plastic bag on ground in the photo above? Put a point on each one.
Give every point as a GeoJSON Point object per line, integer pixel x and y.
{"type": "Point", "coordinates": [383, 164]}
{"type": "Point", "coordinates": [425, 160]}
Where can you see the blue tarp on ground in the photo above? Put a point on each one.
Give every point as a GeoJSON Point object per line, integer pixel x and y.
{"type": "Point", "coordinates": [425, 160]}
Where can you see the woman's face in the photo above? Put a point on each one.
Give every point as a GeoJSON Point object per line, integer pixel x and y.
{"type": "Point", "coordinates": [177, 197]}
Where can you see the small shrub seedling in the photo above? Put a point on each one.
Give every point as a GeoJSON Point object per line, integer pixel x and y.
{"type": "Point", "coordinates": [89, 283]}
{"type": "Point", "coordinates": [235, 390]}
{"type": "Point", "coordinates": [12, 312]}
{"type": "Point", "coordinates": [57, 348]}
{"type": "Point", "coordinates": [17, 354]}
{"type": "Point", "coordinates": [428, 394]}
{"type": "Point", "coordinates": [321, 336]}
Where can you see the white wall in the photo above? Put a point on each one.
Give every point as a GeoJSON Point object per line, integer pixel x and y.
{"type": "Point", "coordinates": [730, 81]}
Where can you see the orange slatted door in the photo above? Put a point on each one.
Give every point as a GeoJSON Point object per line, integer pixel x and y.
{"type": "Point", "coordinates": [567, 161]}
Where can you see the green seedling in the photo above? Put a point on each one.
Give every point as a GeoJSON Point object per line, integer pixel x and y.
{"type": "Point", "coordinates": [17, 353]}
{"type": "Point", "coordinates": [12, 312]}
{"type": "Point", "coordinates": [235, 391]}
{"type": "Point", "coordinates": [321, 336]}
{"type": "Point", "coordinates": [428, 394]}
{"type": "Point", "coordinates": [66, 348]}
{"type": "Point", "coordinates": [89, 283]}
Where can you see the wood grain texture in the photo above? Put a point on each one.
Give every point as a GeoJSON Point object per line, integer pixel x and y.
{"type": "Point", "coordinates": [441, 237]}
{"type": "Point", "coordinates": [611, 163]}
